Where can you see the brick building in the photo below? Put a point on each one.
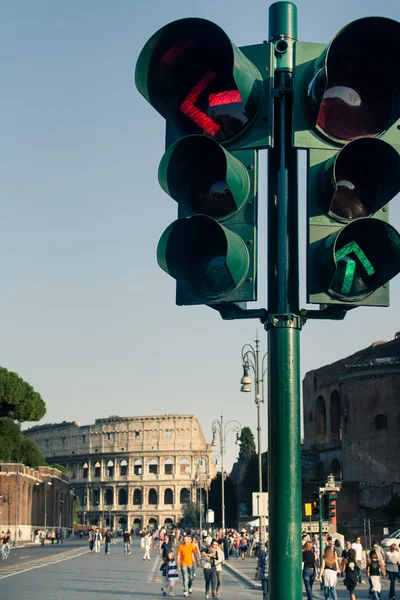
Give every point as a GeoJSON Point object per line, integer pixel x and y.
{"type": "Point", "coordinates": [351, 420]}
{"type": "Point", "coordinates": [131, 471]}
{"type": "Point", "coordinates": [32, 499]}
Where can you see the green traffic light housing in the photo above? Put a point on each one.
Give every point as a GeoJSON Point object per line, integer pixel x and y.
{"type": "Point", "coordinates": [198, 80]}
{"type": "Point", "coordinates": [209, 258]}
{"type": "Point", "coordinates": [352, 89]}
{"type": "Point", "coordinates": [204, 178]}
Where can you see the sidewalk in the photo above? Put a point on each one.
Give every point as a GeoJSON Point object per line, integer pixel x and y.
{"type": "Point", "coordinates": [244, 570]}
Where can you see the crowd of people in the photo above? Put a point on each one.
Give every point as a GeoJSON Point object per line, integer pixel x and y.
{"type": "Point", "coordinates": [347, 562]}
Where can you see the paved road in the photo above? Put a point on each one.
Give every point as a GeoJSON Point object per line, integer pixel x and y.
{"type": "Point", "coordinates": [73, 573]}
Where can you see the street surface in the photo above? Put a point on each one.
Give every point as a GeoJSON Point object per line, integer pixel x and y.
{"type": "Point", "coordinates": [71, 572]}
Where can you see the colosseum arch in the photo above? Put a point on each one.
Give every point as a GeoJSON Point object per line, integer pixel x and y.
{"type": "Point", "coordinates": [109, 497]}
{"type": "Point", "coordinates": [110, 468]}
{"type": "Point", "coordinates": [168, 496]}
{"type": "Point", "coordinates": [97, 469]}
{"type": "Point", "coordinates": [169, 467]}
{"type": "Point", "coordinates": [335, 416]}
{"type": "Point", "coordinates": [153, 496]}
{"type": "Point", "coordinates": [137, 496]}
{"type": "Point", "coordinates": [335, 469]}
{"type": "Point", "coordinates": [320, 421]}
{"type": "Point", "coordinates": [138, 467]}
{"type": "Point", "coordinates": [122, 496]}
{"type": "Point", "coordinates": [123, 468]}
{"type": "Point", "coordinates": [184, 496]}
{"type": "Point", "coordinates": [185, 466]}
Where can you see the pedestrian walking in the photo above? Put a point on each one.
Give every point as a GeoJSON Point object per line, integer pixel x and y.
{"type": "Point", "coordinates": [172, 573]}
{"type": "Point", "coordinates": [91, 540]}
{"type": "Point", "coordinates": [262, 570]}
{"type": "Point", "coordinates": [127, 541]}
{"type": "Point", "coordinates": [356, 545]}
{"type": "Point", "coordinates": [375, 568]}
{"type": "Point", "coordinates": [147, 542]}
{"type": "Point", "coordinates": [166, 546]}
{"type": "Point", "coordinates": [328, 573]}
{"type": "Point", "coordinates": [187, 556]}
{"type": "Point", "coordinates": [164, 575]}
{"type": "Point", "coordinates": [349, 568]}
{"type": "Point", "coordinates": [107, 542]}
{"type": "Point", "coordinates": [97, 537]}
{"type": "Point", "coordinates": [392, 561]}
{"type": "Point", "coordinates": [309, 568]}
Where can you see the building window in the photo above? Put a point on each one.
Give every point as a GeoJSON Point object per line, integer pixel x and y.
{"type": "Point", "coordinates": [380, 422]}
{"type": "Point", "coordinates": [153, 466]}
{"type": "Point", "coordinates": [137, 435]}
{"type": "Point", "coordinates": [169, 467]}
{"type": "Point", "coordinates": [138, 467]}
{"type": "Point", "coordinates": [123, 468]}
{"type": "Point", "coordinates": [152, 496]}
{"type": "Point", "coordinates": [110, 469]}
{"type": "Point", "coordinates": [320, 421]}
{"type": "Point", "coordinates": [168, 496]}
{"type": "Point", "coordinates": [122, 497]}
{"type": "Point", "coordinates": [185, 466]}
{"type": "Point", "coordinates": [97, 469]}
{"type": "Point", "coordinates": [109, 497]}
{"type": "Point", "coordinates": [169, 434]}
{"type": "Point", "coordinates": [85, 471]}
{"type": "Point", "coordinates": [84, 438]}
{"type": "Point", "coordinates": [184, 496]}
{"type": "Point", "coordinates": [109, 436]}
{"type": "Point", "coordinates": [137, 496]}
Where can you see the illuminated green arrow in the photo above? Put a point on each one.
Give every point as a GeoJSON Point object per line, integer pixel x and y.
{"type": "Point", "coordinates": [351, 264]}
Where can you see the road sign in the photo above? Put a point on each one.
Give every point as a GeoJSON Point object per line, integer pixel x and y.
{"type": "Point", "coordinates": [308, 509]}
{"type": "Point", "coordinates": [260, 504]}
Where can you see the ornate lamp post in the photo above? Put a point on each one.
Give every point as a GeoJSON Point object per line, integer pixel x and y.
{"type": "Point", "coordinates": [251, 360]}
{"type": "Point", "coordinates": [218, 428]}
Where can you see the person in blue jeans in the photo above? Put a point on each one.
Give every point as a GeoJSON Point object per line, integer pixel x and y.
{"type": "Point", "coordinates": [107, 542]}
{"type": "Point", "coordinates": [309, 568]}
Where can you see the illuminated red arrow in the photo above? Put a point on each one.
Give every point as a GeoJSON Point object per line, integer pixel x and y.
{"type": "Point", "coordinates": [195, 114]}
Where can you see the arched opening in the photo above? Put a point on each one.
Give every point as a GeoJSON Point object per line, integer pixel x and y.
{"type": "Point", "coordinates": [110, 468]}
{"type": "Point", "coordinates": [137, 522]}
{"type": "Point", "coordinates": [169, 467]}
{"type": "Point", "coordinates": [137, 496]}
{"type": "Point", "coordinates": [380, 422]}
{"type": "Point", "coordinates": [97, 469]}
{"type": "Point", "coordinates": [153, 466]}
{"type": "Point", "coordinates": [335, 416]}
{"type": "Point", "coordinates": [138, 467]}
{"type": "Point", "coordinates": [184, 496]}
{"type": "Point", "coordinates": [85, 470]}
{"type": "Point", "coordinates": [184, 466]}
{"type": "Point", "coordinates": [152, 523]}
{"type": "Point", "coordinates": [122, 523]}
{"type": "Point", "coordinates": [152, 496]}
{"type": "Point", "coordinates": [96, 497]}
{"type": "Point", "coordinates": [202, 466]}
{"type": "Point", "coordinates": [123, 468]}
{"type": "Point", "coordinates": [109, 497]}
{"type": "Point", "coordinates": [168, 496]}
{"type": "Point", "coordinates": [122, 496]}
{"type": "Point", "coordinates": [320, 421]}
{"type": "Point", "coordinates": [335, 469]}
{"type": "Point", "coordinates": [168, 523]}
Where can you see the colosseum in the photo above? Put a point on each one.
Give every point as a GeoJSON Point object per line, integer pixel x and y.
{"type": "Point", "coordinates": [130, 472]}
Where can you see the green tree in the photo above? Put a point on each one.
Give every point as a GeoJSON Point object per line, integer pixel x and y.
{"type": "Point", "coordinates": [190, 515]}
{"type": "Point", "coordinates": [30, 454]}
{"type": "Point", "coordinates": [215, 500]}
{"type": "Point", "coordinates": [59, 467]}
{"type": "Point", "coordinates": [15, 447]}
{"type": "Point", "coordinates": [18, 399]}
{"type": "Point", "coordinates": [247, 446]}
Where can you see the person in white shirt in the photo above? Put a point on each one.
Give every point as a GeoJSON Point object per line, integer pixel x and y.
{"type": "Point", "coordinates": [392, 561]}
{"type": "Point", "coordinates": [357, 547]}
{"type": "Point", "coordinates": [97, 537]}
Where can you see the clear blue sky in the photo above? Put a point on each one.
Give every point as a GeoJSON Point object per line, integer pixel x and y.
{"type": "Point", "coordinates": [88, 318]}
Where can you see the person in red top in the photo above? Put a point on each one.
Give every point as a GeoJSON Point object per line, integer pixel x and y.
{"type": "Point", "coordinates": [186, 556]}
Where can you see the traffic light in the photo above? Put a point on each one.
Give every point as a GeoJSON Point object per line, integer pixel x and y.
{"type": "Point", "coordinates": [332, 497]}
{"type": "Point", "coordinates": [346, 114]}
{"type": "Point", "coordinates": [315, 504]}
{"type": "Point", "coordinates": [216, 100]}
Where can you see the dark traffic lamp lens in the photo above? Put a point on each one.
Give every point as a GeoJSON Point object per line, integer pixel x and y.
{"type": "Point", "coordinates": [213, 199]}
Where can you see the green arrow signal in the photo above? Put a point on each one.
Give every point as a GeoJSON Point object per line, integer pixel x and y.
{"type": "Point", "coordinates": [351, 264]}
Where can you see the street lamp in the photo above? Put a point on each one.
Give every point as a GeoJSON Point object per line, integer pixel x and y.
{"type": "Point", "coordinates": [201, 469]}
{"type": "Point", "coordinates": [222, 430]}
{"type": "Point", "coordinates": [251, 360]}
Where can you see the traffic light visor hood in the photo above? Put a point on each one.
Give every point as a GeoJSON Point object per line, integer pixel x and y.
{"type": "Point", "coordinates": [361, 179]}
{"type": "Point", "coordinates": [352, 89]}
{"type": "Point", "coordinates": [362, 257]}
{"type": "Point", "coordinates": [198, 80]}
{"type": "Point", "coordinates": [202, 176]}
{"type": "Point", "coordinates": [212, 260]}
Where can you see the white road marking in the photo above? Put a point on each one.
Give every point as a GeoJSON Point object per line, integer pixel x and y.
{"type": "Point", "coordinates": [27, 556]}
{"type": "Point", "coordinates": [153, 570]}
{"type": "Point", "coordinates": [53, 562]}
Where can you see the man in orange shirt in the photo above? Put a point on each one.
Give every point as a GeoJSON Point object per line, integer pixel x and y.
{"type": "Point", "coordinates": [186, 556]}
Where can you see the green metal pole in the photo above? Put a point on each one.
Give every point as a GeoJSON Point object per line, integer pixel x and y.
{"type": "Point", "coordinates": [284, 324]}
